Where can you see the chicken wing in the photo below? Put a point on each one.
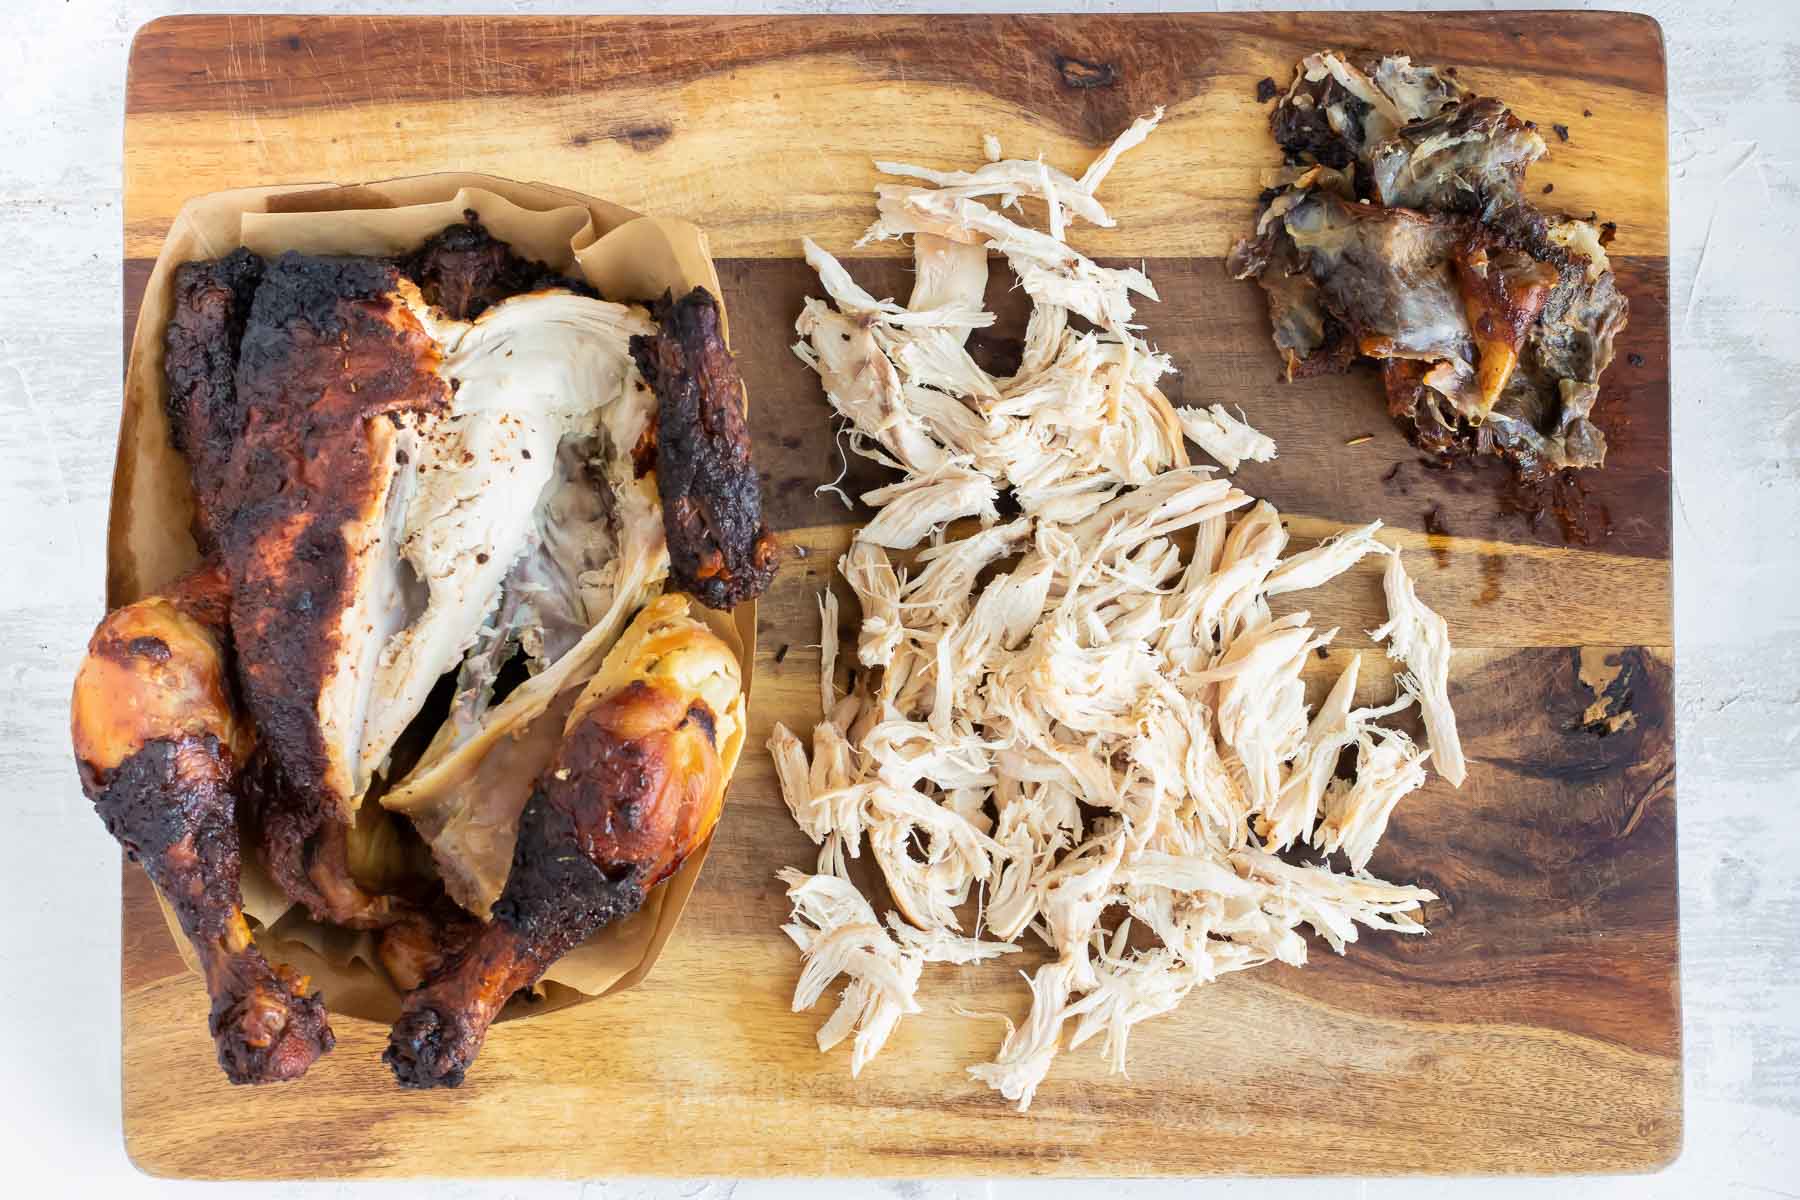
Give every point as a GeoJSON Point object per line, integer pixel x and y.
{"type": "Point", "coordinates": [200, 353]}
{"type": "Point", "coordinates": [720, 548]}
{"type": "Point", "coordinates": [159, 746]}
{"type": "Point", "coordinates": [636, 786]}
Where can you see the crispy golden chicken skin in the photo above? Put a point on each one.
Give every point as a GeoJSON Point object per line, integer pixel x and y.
{"type": "Point", "coordinates": [636, 786]}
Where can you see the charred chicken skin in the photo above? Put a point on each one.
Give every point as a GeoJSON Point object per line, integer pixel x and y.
{"type": "Point", "coordinates": [465, 270]}
{"type": "Point", "coordinates": [636, 786]}
{"type": "Point", "coordinates": [160, 749]}
{"type": "Point", "coordinates": [720, 548]}
{"type": "Point", "coordinates": [330, 359]}
{"type": "Point", "coordinates": [200, 355]}
{"type": "Point", "coordinates": [1399, 230]}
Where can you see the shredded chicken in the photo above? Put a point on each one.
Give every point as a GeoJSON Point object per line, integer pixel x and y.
{"type": "Point", "coordinates": [1419, 637]}
{"type": "Point", "coordinates": [1071, 711]}
{"type": "Point", "coordinates": [1225, 437]}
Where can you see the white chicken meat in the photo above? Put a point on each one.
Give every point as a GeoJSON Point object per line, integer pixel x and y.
{"type": "Point", "coordinates": [1072, 711]}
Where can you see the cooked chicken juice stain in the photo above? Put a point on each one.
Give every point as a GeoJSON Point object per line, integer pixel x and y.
{"type": "Point", "coordinates": [1493, 568]}
{"type": "Point", "coordinates": [1437, 536]}
{"type": "Point", "coordinates": [1583, 520]}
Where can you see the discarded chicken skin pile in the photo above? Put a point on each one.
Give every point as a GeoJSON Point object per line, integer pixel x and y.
{"type": "Point", "coordinates": [1069, 710]}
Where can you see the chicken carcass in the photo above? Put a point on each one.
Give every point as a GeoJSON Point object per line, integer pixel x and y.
{"type": "Point", "coordinates": [635, 787]}
{"type": "Point", "coordinates": [409, 472]}
{"type": "Point", "coordinates": [467, 791]}
{"type": "Point", "coordinates": [699, 511]}
{"type": "Point", "coordinates": [394, 475]}
{"type": "Point", "coordinates": [500, 504]}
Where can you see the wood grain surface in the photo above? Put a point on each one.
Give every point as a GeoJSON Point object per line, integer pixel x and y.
{"type": "Point", "coordinates": [1535, 1029]}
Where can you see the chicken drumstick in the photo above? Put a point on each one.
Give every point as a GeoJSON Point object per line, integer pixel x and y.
{"type": "Point", "coordinates": [160, 748]}
{"type": "Point", "coordinates": [636, 786]}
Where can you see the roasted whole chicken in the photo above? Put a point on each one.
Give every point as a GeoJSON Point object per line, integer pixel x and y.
{"type": "Point", "coordinates": [431, 492]}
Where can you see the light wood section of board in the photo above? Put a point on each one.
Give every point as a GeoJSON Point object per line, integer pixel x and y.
{"type": "Point", "coordinates": [782, 147]}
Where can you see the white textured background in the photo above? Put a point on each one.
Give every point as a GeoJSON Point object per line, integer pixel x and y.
{"type": "Point", "coordinates": [1734, 109]}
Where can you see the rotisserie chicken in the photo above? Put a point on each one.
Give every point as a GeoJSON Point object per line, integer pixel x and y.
{"type": "Point", "coordinates": [433, 490]}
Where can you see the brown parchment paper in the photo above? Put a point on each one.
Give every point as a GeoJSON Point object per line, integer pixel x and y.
{"type": "Point", "coordinates": [626, 257]}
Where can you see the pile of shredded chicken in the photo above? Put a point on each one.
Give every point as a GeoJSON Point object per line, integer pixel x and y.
{"type": "Point", "coordinates": [1087, 706]}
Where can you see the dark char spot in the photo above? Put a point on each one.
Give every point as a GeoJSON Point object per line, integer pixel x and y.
{"type": "Point", "coordinates": [1080, 74]}
{"type": "Point", "coordinates": [645, 138]}
{"type": "Point", "coordinates": [152, 648]}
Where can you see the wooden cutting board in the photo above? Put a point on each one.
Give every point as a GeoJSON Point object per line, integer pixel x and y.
{"type": "Point", "coordinates": [1536, 1028]}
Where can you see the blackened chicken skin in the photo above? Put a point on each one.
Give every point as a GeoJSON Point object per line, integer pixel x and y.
{"type": "Point", "coordinates": [720, 549]}
{"type": "Point", "coordinates": [464, 270]}
{"type": "Point", "coordinates": [200, 353]}
{"type": "Point", "coordinates": [159, 747]}
{"type": "Point", "coordinates": [328, 354]}
{"type": "Point", "coordinates": [1400, 231]}
{"type": "Point", "coordinates": [636, 786]}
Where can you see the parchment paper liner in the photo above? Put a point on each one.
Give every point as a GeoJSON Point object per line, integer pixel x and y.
{"type": "Point", "coordinates": [625, 255]}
